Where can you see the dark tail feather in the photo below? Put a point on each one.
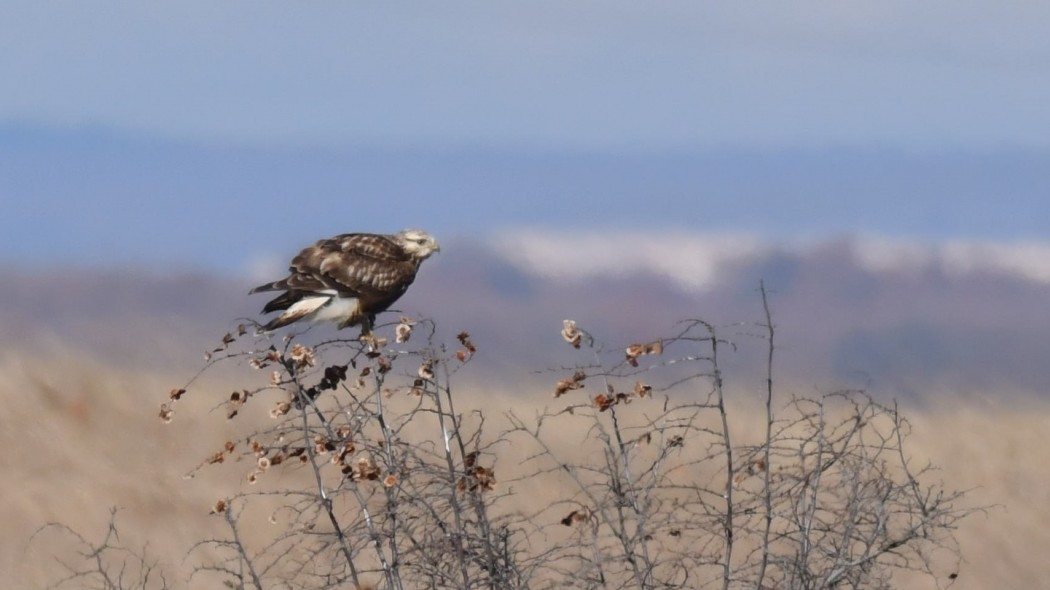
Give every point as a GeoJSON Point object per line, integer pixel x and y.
{"type": "Point", "coordinates": [282, 301]}
{"type": "Point", "coordinates": [274, 286]}
{"type": "Point", "coordinates": [278, 322]}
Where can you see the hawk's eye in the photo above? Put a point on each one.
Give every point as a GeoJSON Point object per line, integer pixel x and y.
{"type": "Point", "coordinates": [420, 241]}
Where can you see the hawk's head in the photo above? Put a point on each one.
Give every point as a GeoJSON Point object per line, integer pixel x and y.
{"type": "Point", "coordinates": [417, 243]}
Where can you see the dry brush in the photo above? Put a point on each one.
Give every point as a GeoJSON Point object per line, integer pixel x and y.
{"type": "Point", "coordinates": [370, 471]}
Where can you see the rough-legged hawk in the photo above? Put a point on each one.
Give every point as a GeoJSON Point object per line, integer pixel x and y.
{"type": "Point", "coordinates": [348, 279]}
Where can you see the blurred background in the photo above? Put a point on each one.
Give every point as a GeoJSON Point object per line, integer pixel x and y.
{"type": "Point", "coordinates": [884, 168]}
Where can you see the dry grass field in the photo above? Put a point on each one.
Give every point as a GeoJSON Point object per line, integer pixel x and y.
{"type": "Point", "coordinates": [80, 437]}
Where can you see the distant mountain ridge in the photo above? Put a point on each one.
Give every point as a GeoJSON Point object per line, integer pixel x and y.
{"type": "Point", "coordinates": [919, 326]}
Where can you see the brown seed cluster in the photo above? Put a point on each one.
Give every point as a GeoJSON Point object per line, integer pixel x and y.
{"type": "Point", "coordinates": [280, 409]}
{"type": "Point", "coordinates": [468, 350]}
{"type": "Point", "coordinates": [341, 456]}
{"type": "Point", "coordinates": [302, 356]}
{"type": "Point", "coordinates": [604, 401]}
{"type": "Point", "coordinates": [636, 350]}
{"type": "Point", "coordinates": [642, 390]}
{"type": "Point", "coordinates": [167, 411]}
{"type": "Point", "coordinates": [333, 375]}
{"type": "Point", "coordinates": [271, 356]}
{"type": "Point", "coordinates": [577, 517]}
{"type": "Point", "coordinates": [322, 446]}
{"type": "Point", "coordinates": [567, 385]}
{"type": "Point", "coordinates": [364, 469]}
{"type": "Point", "coordinates": [237, 399]}
{"type": "Point", "coordinates": [752, 468]}
{"type": "Point", "coordinates": [227, 340]}
{"type": "Point", "coordinates": [477, 479]}
{"type": "Point", "coordinates": [269, 457]}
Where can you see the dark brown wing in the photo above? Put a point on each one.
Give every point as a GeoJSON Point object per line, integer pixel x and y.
{"type": "Point", "coordinates": [370, 267]}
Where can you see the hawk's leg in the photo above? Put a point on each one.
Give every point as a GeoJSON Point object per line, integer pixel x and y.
{"type": "Point", "coordinates": [366, 331]}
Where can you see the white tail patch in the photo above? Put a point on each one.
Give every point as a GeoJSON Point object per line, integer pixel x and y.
{"type": "Point", "coordinates": [319, 309]}
{"type": "Point", "coordinates": [300, 309]}
{"type": "Point", "coordinates": [338, 309]}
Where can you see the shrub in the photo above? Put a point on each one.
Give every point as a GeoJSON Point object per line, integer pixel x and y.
{"type": "Point", "coordinates": [637, 476]}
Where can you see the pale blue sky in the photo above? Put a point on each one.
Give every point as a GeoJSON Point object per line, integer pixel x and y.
{"type": "Point", "coordinates": [204, 133]}
{"type": "Point", "coordinates": [548, 73]}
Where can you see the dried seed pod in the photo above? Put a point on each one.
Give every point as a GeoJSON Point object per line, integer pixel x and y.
{"type": "Point", "coordinates": [570, 333]}
{"type": "Point", "coordinates": [642, 390]}
{"type": "Point", "coordinates": [426, 370]}
{"type": "Point", "coordinates": [280, 409]}
{"type": "Point", "coordinates": [575, 382]}
{"type": "Point", "coordinates": [303, 356]}
{"type": "Point", "coordinates": [403, 331]}
{"type": "Point", "coordinates": [576, 517]}
{"type": "Point", "coordinates": [166, 413]}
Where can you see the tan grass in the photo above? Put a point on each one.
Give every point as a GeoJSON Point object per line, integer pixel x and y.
{"type": "Point", "coordinates": [80, 437]}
